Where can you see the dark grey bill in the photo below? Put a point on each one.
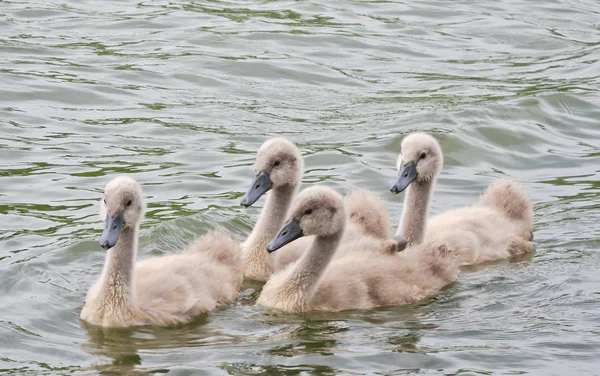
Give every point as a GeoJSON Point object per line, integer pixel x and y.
{"type": "Point", "coordinates": [112, 230]}
{"type": "Point", "coordinates": [406, 175]}
{"type": "Point", "coordinates": [260, 185]}
{"type": "Point", "coordinates": [401, 242]}
{"type": "Point", "coordinates": [288, 233]}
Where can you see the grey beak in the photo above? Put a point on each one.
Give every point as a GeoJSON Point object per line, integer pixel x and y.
{"type": "Point", "coordinates": [112, 230]}
{"type": "Point", "coordinates": [406, 175]}
{"type": "Point", "coordinates": [288, 233]}
{"type": "Point", "coordinates": [260, 185]}
{"type": "Point", "coordinates": [401, 242]}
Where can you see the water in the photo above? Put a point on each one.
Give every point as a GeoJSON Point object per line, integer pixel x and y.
{"type": "Point", "coordinates": [181, 94]}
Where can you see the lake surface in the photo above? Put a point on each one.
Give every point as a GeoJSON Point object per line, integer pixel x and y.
{"type": "Point", "coordinates": [181, 94]}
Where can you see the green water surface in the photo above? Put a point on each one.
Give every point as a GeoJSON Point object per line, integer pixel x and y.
{"type": "Point", "coordinates": [180, 94]}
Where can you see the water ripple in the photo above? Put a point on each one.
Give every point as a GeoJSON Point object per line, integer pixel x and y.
{"type": "Point", "coordinates": [180, 95]}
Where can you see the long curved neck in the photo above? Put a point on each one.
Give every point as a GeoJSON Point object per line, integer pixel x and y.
{"type": "Point", "coordinates": [416, 207]}
{"type": "Point", "coordinates": [303, 280]}
{"type": "Point", "coordinates": [117, 281]}
{"type": "Point", "coordinates": [274, 213]}
{"type": "Point", "coordinates": [270, 221]}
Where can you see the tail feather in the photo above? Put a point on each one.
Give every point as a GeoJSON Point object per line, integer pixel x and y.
{"type": "Point", "coordinates": [219, 247]}
{"type": "Point", "coordinates": [442, 259]}
{"type": "Point", "coordinates": [510, 198]}
{"type": "Point", "coordinates": [368, 212]}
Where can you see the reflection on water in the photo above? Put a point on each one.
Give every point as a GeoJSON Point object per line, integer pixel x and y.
{"type": "Point", "coordinates": [181, 94]}
{"type": "Point", "coordinates": [122, 345]}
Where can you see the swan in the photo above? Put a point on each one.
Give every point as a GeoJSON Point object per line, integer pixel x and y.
{"type": "Point", "coordinates": [500, 225]}
{"type": "Point", "coordinates": [320, 281]}
{"type": "Point", "coordinates": [278, 170]}
{"type": "Point", "coordinates": [165, 290]}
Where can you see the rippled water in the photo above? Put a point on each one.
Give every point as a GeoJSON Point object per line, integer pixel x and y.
{"type": "Point", "coordinates": [180, 95]}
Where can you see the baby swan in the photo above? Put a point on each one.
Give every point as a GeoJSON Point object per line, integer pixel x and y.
{"type": "Point", "coordinates": [164, 290]}
{"type": "Point", "coordinates": [318, 281]}
{"type": "Point", "coordinates": [278, 168]}
{"type": "Point", "coordinates": [278, 171]}
{"type": "Point", "coordinates": [498, 226]}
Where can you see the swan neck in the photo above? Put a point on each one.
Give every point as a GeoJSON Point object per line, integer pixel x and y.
{"type": "Point", "coordinates": [276, 208]}
{"type": "Point", "coordinates": [118, 274]}
{"type": "Point", "coordinates": [310, 268]}
{"type": "Point", "coordinates": [257, 262]}
{"type": "Point", "coordinates": [416, 207]}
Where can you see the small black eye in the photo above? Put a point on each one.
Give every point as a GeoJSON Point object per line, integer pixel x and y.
{"type": "Point", "coordinates": [308, 211]}
{"type": "Point", "coordinates": [104, 201]}
{"type": "Point", "coordinates": [423, 155]}
{"type": "Point", "coordinates": [277, 163]}
{"type": "Point", "coordinates": [128, 203]}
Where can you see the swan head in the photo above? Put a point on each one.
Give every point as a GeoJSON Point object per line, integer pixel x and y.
{"type": "Point", "coordinates": [278, 165]}
{"type": "Point", "coordinates": [420, 160]}
{"type": "Point", "coordinates": [122, 206]}
{"type": "Point", "coordinates": [317, 210]}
